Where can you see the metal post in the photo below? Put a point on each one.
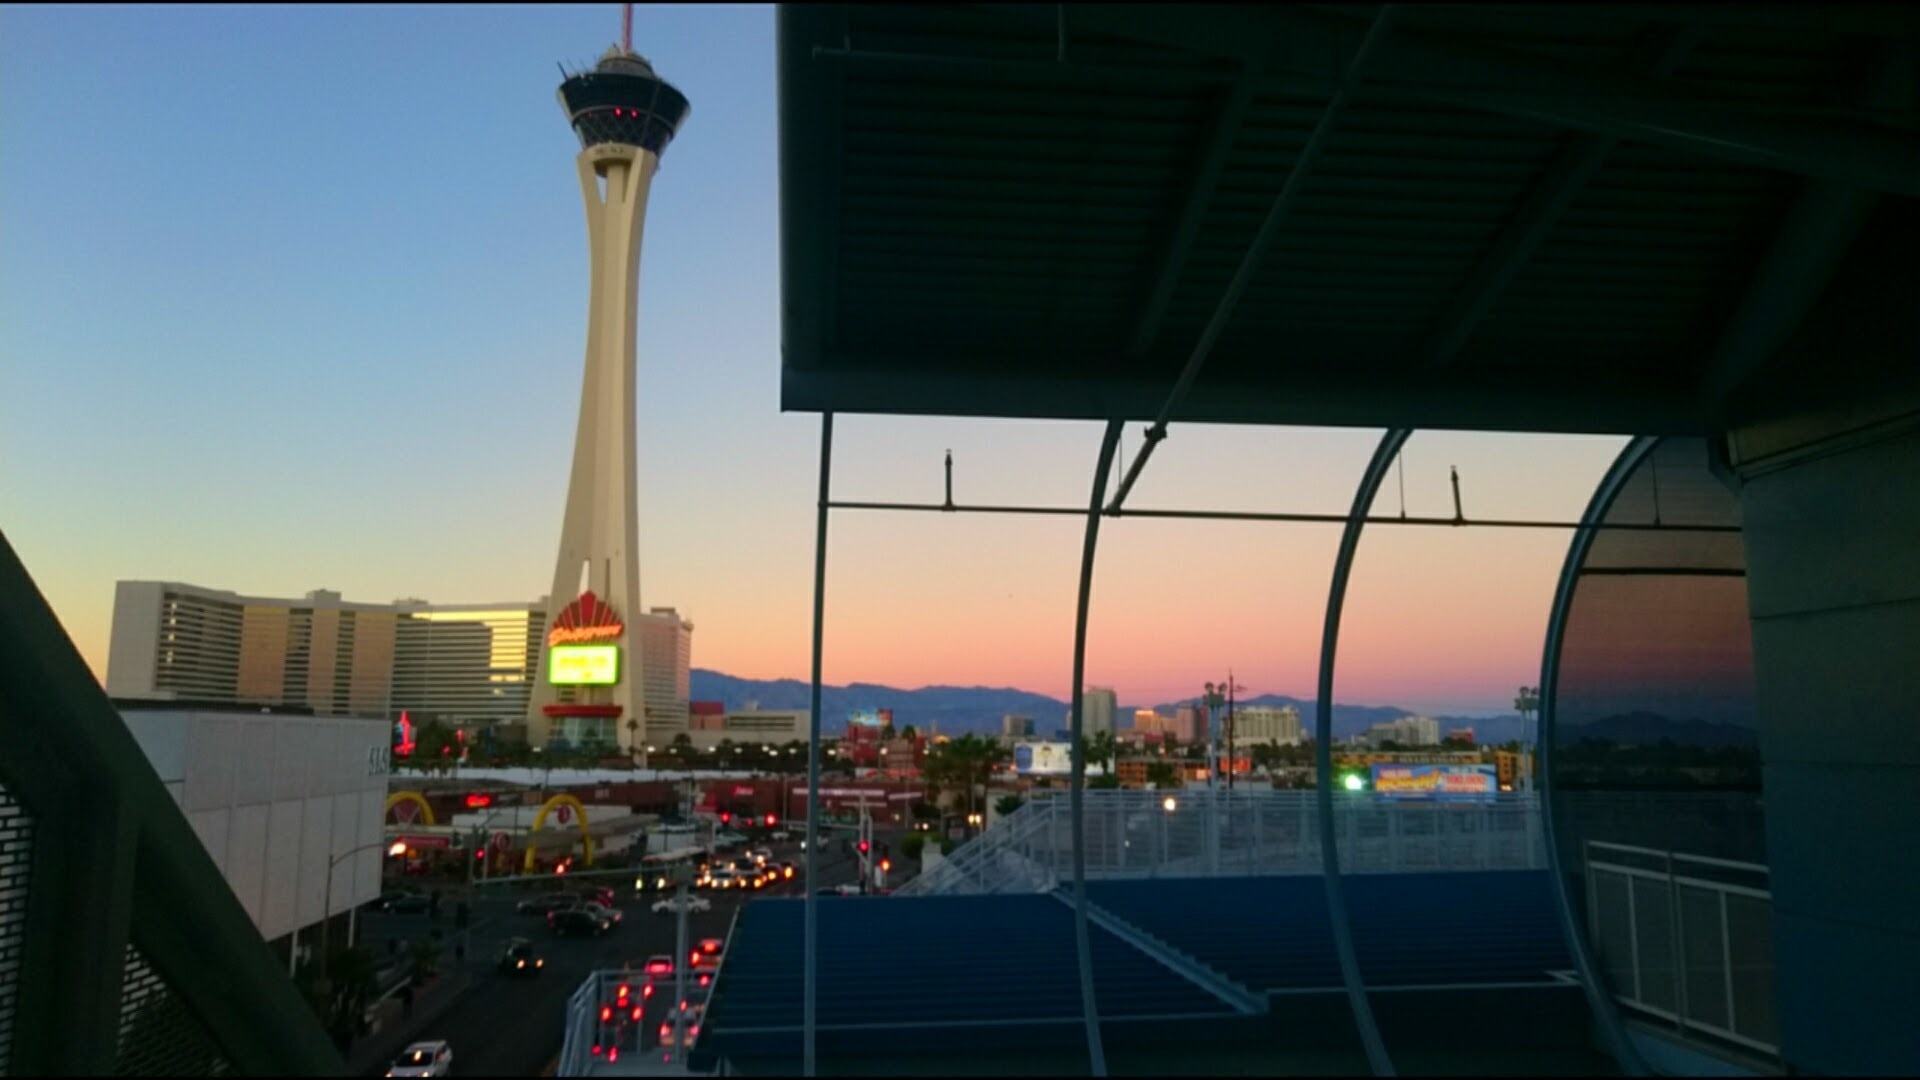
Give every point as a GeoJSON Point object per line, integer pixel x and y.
{"type": "Point", "coordinates": [1679, 948]}
{"type": "Point", "coordinates": [293, 954]}
{"type": "Point", "coordinates": [809, 990]}
{"type": "Point", "coordinates": [680, 964]}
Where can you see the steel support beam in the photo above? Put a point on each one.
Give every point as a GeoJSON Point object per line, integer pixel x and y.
{"type": "Point", "coordinates": [1213, 162]}
{"type": "Point", "coordinates": [1806, 250]}
{"type": "Point", "coordinates": [1599, 1001]}
{"type": "Point", "coordinates": [1303, 163]}
{"type": "Point", "coordinates": [1350, 974]}
{"type": "Point", "coordinates": [1565, 178]}
{"type": "Point", "coordinates": [810, 978]}
{"type": "Point", "coordinates": [1082, 941]}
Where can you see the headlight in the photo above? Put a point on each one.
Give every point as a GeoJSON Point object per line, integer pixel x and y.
{"type": "Point", "coordinates": [519, 963]}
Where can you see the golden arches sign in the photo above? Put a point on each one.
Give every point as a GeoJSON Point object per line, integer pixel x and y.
{"type": "Point", "coordinates": [398, 797]}
{"type": "Point", "coordinates": [586, 838]}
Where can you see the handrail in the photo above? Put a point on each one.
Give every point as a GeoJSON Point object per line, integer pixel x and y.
{"type": "Point", "coordinates": [1682, 959]}
{"type": "Point", "coordinates": [97, 844]}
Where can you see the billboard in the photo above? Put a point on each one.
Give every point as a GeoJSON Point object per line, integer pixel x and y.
{"type": "Point", "coordinates": [872, 718]}
{"type": "Point", "coordinates": [1043, 759]}
{"type": "Point", "coordinates": [1449, 782]}
{"type": "Point", "coordinates": [583, 665]}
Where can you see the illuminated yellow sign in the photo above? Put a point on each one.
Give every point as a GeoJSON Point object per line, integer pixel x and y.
{"type": "Point", "coordinates": [583, 665]}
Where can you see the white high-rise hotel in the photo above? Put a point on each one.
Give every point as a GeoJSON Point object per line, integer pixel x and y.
{"type": "Point", "coordinates": [586, 686]}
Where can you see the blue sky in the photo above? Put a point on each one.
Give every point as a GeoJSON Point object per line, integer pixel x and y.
{"type": "Point", "coordinates": [294, 297]}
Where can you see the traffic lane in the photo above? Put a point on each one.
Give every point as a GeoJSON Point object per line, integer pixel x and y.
{"type": "Point", "coordinates": [508, 1026]}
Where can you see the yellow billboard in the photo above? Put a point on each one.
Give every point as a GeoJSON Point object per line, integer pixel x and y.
{"type": "Point", "coordinates": [583, 665]}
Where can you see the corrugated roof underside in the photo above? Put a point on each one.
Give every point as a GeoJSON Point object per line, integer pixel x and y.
{"type": "Point", "coordinates": [1018, 220]}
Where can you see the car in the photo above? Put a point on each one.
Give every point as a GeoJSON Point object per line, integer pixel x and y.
{"type": "Point", "coordinates": [787, 870]}
{"type": "Point", "coordinates": [612, 915]}
{"type": "Point", "coordinates": [712, 946]}
{"type": "Point", "coordinates": [670, 905]}
{"type": "Point", "coordinates": [780, 834]}
{"type": "Point", "coordinates": [577, 921]}
{"type": "Point", "coordinates": [598, 894]}
{"type": "Point", "coordinates": [658, 968]}
{"type": "Point", "coordinates": [850, 889]}
{"type": "Point", "coordinates": [433, 1058]}
{"type": "Point", "coordinates": [726, 877]}
{"type": "Point", "coordinates": [547, 904]}
{"type": "Point", "coordinates": [691, 1013]}
{"type": "Point", "coordinates": [403, 902]}
{"type": "Point", "coordinates": [518, 958]}
{"type": "Point", "coordinates": [761, 855]}
{"type": "Point", "coordinates": [728, 839]}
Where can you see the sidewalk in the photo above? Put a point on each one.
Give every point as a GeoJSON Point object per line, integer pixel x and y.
{"type": "Point", "coordinates": [395, 1032]}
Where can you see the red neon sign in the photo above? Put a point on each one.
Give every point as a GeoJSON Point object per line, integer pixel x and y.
{"type": "Point", "coordinates": [586, 619]}
{"type": "Point", "coordinates": [479, 800]}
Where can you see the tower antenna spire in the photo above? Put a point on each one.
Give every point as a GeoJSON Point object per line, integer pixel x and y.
{"type": "Point", "coordinates": [626, 28]}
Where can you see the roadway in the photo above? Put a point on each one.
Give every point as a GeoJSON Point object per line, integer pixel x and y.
{"type": "Point", "coordinates": [504, 1026]}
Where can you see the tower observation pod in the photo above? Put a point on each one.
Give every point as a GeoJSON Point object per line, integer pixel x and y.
{"type": "Point", "coordinates": [589, 683]}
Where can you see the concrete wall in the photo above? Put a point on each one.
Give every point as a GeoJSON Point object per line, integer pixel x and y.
{"type": "Point", "coordinates": [131, 649]}
{"type": "Point", "coordinates": [1833, 555]}
{"type": "Point", "coordinates": [274, 798]}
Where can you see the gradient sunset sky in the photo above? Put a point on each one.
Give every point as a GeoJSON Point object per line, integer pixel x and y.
{"type": "Point", "coordinates": [294, 297]}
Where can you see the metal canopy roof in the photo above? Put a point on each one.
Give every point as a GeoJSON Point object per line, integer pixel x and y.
{"type": "Point", "coordinates": [1576, 217]}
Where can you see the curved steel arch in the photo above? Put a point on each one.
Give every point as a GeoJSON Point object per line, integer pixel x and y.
{"type": "Point", "coordinates": [539, 819]}
{"type": "Point", "coordinates": [1083, 950]}
{"type": "Point", "coordinates": [1598, 1000]}
{"type": "Point", "coordinates": [1370, 480]}
{"type": "Point", "coordinates": [398, 797]}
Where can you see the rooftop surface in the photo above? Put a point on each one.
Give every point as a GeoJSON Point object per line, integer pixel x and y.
{"type": "Point", "coordinates": [986, 984]}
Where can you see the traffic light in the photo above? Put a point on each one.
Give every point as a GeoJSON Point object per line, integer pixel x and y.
{"type": "Point", "coordinates": [863, 847]}
{"type": "Point", "coordinates": [725, 817]}
{"type": "Point", "coordinates": [772, 821]}
{"type": "Point", "coordinates": [886, 864]}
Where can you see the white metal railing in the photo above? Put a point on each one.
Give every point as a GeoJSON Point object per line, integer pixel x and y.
{"type": "Point", "coordinates": [1135, 834]}
{"type": "Point", "coordinates": [1681, 942]}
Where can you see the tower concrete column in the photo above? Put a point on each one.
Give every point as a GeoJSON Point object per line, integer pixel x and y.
{"type": "Point", "coordinates": [625, 116]}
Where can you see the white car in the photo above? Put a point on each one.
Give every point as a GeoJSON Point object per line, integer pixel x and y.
{"type": "Point", "coordinates": [728, 839]}
{"type": "Point", "coordinates": [670, 905]}
{"type": "Point", "coordinates": [424, 1059]}
{"type": "Point", "coordinates": [780, 834]}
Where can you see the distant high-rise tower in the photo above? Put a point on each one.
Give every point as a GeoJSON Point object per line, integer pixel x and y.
{"type": "Point", "coordinates": [590, 686]}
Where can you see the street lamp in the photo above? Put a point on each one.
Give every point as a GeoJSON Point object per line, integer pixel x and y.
{"type": "Point", "coordinates": [1169, 804]}
{"type": "Point", "coordinates": [398, 847]}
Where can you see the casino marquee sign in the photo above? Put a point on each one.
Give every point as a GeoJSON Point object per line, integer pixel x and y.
{"type": "Point", "coordinates": [581, 644]}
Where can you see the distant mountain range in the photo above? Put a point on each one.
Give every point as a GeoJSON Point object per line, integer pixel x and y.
{"type": "Point", "coordinates": [1647, 729]}
{"type": "Point", "coordinates": [957, 710]}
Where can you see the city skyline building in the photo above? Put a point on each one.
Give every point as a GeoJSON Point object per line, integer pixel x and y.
{"type": "Point", "coordinates": [471, 666]}
{"type": "Point", "coordinates": [1257, 724]}
{"type": "Point", "coordinates": [1098, 703]}
{"type": "Point", "coordinates": [625, 115]}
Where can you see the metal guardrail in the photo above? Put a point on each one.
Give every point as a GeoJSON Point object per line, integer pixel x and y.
{"type": "Point", "coordinates": [1199, 833]}
{"type": "Point", "coordinates": [1686, 939]}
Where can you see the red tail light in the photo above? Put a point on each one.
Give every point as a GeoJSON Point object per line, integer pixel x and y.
{"type": "Point", "coordinates": [666, 1032]}
{"type": "Point", "coordinates": [613, 1054]}
{"type": "Point", "coordinates": [624, 990]}
{"type": "Point", "coordinates": [646, 991]}
{"type": "Point", "coordinates": [636, 1014]}
{"type": "Point", "coordinates": [606, 1013]}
